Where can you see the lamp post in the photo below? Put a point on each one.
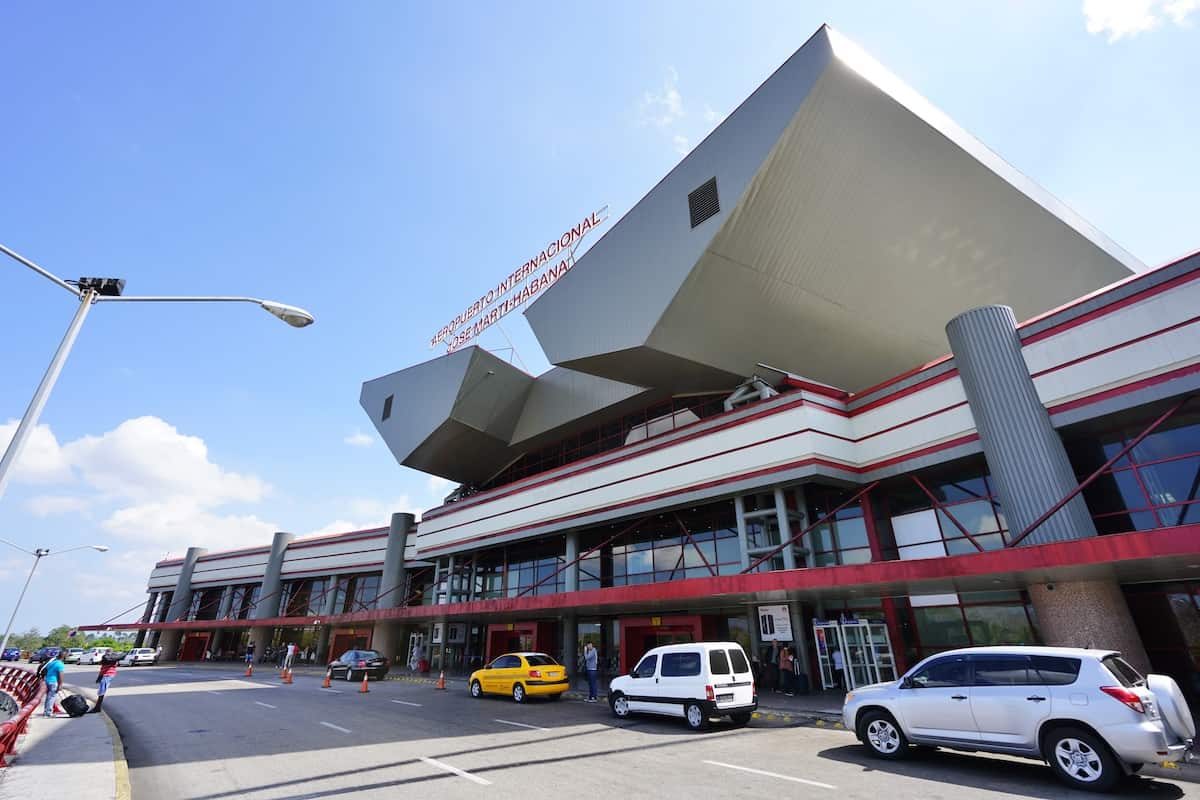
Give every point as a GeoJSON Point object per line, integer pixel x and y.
{"type": "Point", "coordinates": [90, 291]}
{"type": "Point", "coordinates": [38, 555]}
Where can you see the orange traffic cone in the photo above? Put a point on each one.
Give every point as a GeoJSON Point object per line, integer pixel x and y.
{"type": "Point", "coordinates": [287, 676]}
{"type": "Point", "coordinates": [325, 683]}
{"type": "Point", "coordinates": [363, 689]}
{"type": "Point", "coordinates": [441, 684]}
{"type": "Point", "coordinates": [57, 708]}
{"type": "Point", "coordinates": [249, 669]}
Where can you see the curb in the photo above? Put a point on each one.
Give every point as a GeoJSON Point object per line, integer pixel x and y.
{"type": "Point", "coordinates": [123, 788]}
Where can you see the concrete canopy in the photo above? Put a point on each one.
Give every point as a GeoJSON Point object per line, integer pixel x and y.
{"type": "Point", "coordinates": [855, 220]}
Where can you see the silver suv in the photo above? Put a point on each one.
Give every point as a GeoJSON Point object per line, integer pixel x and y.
{"type": "Point", "coordinates": [1087, 713]}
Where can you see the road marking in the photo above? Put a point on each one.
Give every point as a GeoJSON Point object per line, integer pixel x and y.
{"type": "Point", "coordinates": [332, 691]}
{"type": "Point", "coordinates": [460, 773]}
{"type": "Point", "coordinates": [406, 703]}
{"type": "Point", "coordinates": [210, 691]}
{"type": "Point", "coordinates": [264, 705]}
{"type": "Point", "coordinates": [336, 727]}
{"type": "Point", "coordinates": [520, 725]}
{"type": "Point", "coordinates": [771, 774]}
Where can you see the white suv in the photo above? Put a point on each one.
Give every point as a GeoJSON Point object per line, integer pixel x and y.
{"type": "Point", "coordinates": [1087, 713]}
{"type": "Point", "coordinates": [694, 681]}
{"type": "Point", "coordinates": [140, 655]}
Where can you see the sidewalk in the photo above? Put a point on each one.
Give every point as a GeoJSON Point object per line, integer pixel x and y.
{"type": "Point", "coordinates": [80, 757]}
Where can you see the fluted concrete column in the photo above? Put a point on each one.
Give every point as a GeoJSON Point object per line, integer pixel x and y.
{"type": "Point", "coordinates": [391, 585]}
{"type": "Point", "coordinates": [269, 596]}
{"type": "Point", "coordinates": [1024, 453]}
{"type": "Point", "coordinates": [571, 553]}
{"type": "Point", "coordinates": [181, 600]}
{"type": "Point", "coordinates": [739, 510]}
{"type": "Point", "coordinates": [785, 528]}
{"type": "Point", "coordinates": [149, 607]}
{"type": "Point", "coordinates": [329, 608]}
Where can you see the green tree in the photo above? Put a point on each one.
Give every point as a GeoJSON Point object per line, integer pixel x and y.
{"type": "Point", "coordinates": [59, 637]}
{"type": "Point", "coordinates": [29, 640]}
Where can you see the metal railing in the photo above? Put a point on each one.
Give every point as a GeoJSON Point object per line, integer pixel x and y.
{"type": "Point", "coordinates": [29, 691]}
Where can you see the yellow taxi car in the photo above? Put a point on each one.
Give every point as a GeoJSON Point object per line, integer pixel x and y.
{"type": "Point", "coordinates": [521, 675]}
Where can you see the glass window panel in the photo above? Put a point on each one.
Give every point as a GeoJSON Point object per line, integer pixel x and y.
{"type": "Point", "coordinates": [728, 550]}
{"type": "Point", "coordinates": [941, 627]}
{"type": "Point", "coordinates": [964, 488]}
{"type": "Point", "coordinates": [824, 560]}
{"type": "Point", "coordinates": [639, 562]}
{"type": "Point", "coordinates": [976, 517]}
{"type": "Point", "coordinates": [692, 557]}
{"type": "Point", "coordinates": [729, 568]}
{"type": "Point", "coordinates": [1117, 491]}
{"type": "Point", "coordinates": [1172, 481]}
{"type": "Point", "coordinates": [1169, 443]}
{"type": "Point", "coordinates": [852, 533]}
{"type": "Point", "coordinates": [859, 555]}
{"type": "Point", "coordinates": [820, 538]}
{"type": "Point", "coordinates": [665, 558]}
{"type": "Point", "coordinates": [998, 625]}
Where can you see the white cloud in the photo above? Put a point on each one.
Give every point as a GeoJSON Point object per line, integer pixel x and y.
{"type": "Point", "coordinates": [681, 144]}
{"type": "Point", "coordinates": [50, 505]}
{"type": "Point", "coordinates": [710, 116]}
{"type": "Point", "coordinates": [359, 439]}
{"type": "Point", "coordinates": [664, 108]}
{"type": "Point", "coordinates": [41, 460]}
{"type": "Point", "coordinates": [181, 522]}
{"type": "Point", "coordinates": [1122, 18]}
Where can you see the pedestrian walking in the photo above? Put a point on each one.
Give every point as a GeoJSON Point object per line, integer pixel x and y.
{"type": "Point", "coordinates": [108, 671]}
{"type": "Point", "coordinates": [785, 671]}
{"type": "Point", "coordinates": [290, 656]}
{"type": "Point", "coordinates": [249, 654]}
{"type": "Point", "coordinates": [591, 662]}
{"type": "Point", "coordinates": [53, 676]}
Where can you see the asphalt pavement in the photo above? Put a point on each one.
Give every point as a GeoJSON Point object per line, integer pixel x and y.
{"type": "Point", "coordinates": [209, 733]}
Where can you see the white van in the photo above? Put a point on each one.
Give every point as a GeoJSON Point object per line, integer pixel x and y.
{"type": "Point", "coordinates": [694, 681]}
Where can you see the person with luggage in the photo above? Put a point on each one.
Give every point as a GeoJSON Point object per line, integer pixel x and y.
{"type": "Point", "coordinates": [53, 676]}
{"type": "Point", "coordinates": [108, 671]}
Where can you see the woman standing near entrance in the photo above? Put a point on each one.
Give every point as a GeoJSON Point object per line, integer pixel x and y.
{"type": "Point", "coordinates": [785, 671]}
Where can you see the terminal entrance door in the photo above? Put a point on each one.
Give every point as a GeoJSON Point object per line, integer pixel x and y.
{"type": "Point", "coordinates": [865, 653]}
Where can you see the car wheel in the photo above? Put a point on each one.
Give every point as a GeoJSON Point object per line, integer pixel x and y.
{"type": "Point", "coordinates": [742, 717]}
{"type": "Point", "coordinates": [619, 705]}
{"type": "Point", "coordinates": [476, 689]}
{"type": "Point", "coordinates": [518, 693]}
{"type": "Point", "coordinates": [1081, 760]}
{"type": "Point", "coordinates": [882, 736]}
{"type": "Point", "coordinates": [696, 719]}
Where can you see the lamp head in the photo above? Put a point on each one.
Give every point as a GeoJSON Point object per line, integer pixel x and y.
{"type": "Point", "coordinates": [103, 548]}
{"type": "Point", "coordinates": [296, 317]}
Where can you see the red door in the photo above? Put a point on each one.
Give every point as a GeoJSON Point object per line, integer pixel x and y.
{"type": "Point", "coordinates": [193, 648]}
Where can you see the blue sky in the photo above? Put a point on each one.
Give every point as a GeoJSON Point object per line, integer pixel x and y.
{"type": "Point", "coordinates": [381, 164]}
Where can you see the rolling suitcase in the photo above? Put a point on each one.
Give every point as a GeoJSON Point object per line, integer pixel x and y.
{"type": "Point", "coordinates": [74, 705]}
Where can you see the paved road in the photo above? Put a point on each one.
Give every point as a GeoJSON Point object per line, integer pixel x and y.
{"type": "Point", "coordinates": [210, 734]}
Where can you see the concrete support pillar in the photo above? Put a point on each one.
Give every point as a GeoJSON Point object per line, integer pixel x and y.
{"type": "Point", "coordinates": [571, 573]}
{"type": "Point", "coordinates": [261, 638]}
{"type": "Point", "coordinates": [169, 642]}
{"type": "Point", "coordinates": [739, 509]}
{"type": "Point", "coordinates": [802, 510]}
{"type": "Point", "coordinates": [226, 603]}
{"type": "Point", "coordinates": [1090, 614]}
{"type": "Point", "coordinates": [149, 606]}
{"type": "Point", "coordinates": [182, 599]}
{"type": "Point", "coordinates": [570, 647]}
{"type": "Point", "coordinates": [269, 596]}
{"type": "Point", "coordinates": [385, 640]}
{"type": "Point", "coordinates": [323, 656]}
{"type": "Point", "coordinates": [1025, 455]}
{"type": "Point", "coordinates": [785, 528]}
{"type": "Point", "coordinates": [138, 641]}
{"type": "Point", "coordinates": [391, 585]}
{"type": "Point", "coordinates": [329, 607]}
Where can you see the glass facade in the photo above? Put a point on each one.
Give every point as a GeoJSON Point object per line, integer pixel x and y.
{"type": "Point", "coordinates": [1155, 485]}
{"type": "Point", "coordinates": [964, 620]}
{"type": "Point", "coordinates": [843, 538]}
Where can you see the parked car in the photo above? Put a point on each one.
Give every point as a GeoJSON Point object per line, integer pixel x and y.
{"type": "Point", "coordinates": [1090, 715]}
{"type": "Point", "coordinates": [353, 664]}
{"type": "Point", "coordinates": [138, 656]}
{"type": "Point", "coordinates": [43, 654]}
{"type": "Point", "coordinates": [94, 655]}
{"type": "Point", "coordinates": [694, 681]}
{"type": "Point", "coordinates": [72, 655]}
{"type": "Point", "coordinates": [11, 654]}
{"type": "Point", "coordinates": [520, 675]}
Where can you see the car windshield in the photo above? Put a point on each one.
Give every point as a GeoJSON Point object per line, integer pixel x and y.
{"type": "Point", "coordinates": [539, 660]}
{"type": "Point", "coordinates": [366, 655]}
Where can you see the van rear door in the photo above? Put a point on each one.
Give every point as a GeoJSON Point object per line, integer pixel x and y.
{"type": "Point", "coordinates": [733, 683]}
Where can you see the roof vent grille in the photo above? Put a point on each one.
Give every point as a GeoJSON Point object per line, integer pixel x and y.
{"type": "Point", "coordinates": [703, 203]}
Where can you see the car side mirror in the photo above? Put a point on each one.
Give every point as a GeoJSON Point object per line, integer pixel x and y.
{"type": "Point", "coordinates": [907, 683]}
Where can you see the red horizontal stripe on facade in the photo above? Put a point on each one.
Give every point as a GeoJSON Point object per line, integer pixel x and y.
{"type": "Point", "coordinates": [1117, 391]}
{"type": "Point", "coordinates": [1134, 546]}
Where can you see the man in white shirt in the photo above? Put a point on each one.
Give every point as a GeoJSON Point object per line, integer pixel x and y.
{"type": "Point", "coordinates": [291, 655]}
{"type": "Point", "coordinates": [839, 668]}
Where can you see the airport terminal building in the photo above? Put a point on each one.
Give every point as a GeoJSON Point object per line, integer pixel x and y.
{"type": "Point", "coordinates": [843, 379]}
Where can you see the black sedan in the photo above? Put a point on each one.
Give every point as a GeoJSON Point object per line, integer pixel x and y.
{"type": "Point", "coordinates": [353, 664]}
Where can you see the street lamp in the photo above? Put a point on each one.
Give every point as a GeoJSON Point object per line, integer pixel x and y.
{"type": "Point", "coordinates": [38, 555]}
{"type": "Point", "coordinates": [90, 291]}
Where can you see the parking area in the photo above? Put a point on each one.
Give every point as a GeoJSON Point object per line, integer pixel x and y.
{"type": "Point", "coordinates": [209, 733]}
